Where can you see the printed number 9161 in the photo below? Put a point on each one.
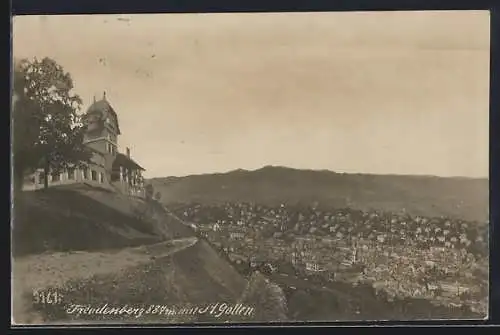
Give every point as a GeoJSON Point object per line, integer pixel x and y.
{"type": "Point", "coordinates": [47, 297]}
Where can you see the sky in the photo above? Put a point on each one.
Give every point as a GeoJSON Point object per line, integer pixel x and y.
{"type": "Point", "coordinates": [379, 92]}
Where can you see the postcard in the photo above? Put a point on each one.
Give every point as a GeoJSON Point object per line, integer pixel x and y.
{"type": "Point", "coordinates": [250, 167]}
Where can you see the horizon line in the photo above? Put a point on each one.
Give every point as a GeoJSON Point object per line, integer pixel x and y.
{"type": "Point", "coordinates": [320, 170]}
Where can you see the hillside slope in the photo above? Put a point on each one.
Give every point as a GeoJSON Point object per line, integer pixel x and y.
{"type": "Point", "coordinates": [270, 298]}
{"type": "Point", "coordinates": [99, 247]}
{"type": "Point", "coordinates": [86, 218]}
{"type": "Point", "coordinates": [420, 195]}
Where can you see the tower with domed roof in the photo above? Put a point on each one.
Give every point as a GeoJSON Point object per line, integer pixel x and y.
{"type": "Point", "coordinates": [101, 136]}
{"type": "Point", "coordinates": [102, 127]}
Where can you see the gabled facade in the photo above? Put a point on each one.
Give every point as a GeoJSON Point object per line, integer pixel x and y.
{"type": "Point", "coordinates": [108, 168]}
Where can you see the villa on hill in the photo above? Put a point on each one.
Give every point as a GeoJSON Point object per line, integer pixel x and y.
{"type": "Point", "coordinates": [108, 168]}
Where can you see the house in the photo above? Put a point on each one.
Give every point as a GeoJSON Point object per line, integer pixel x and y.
{"type": "Point", "coordinates": [108, 168]}
{"type": "Point", "coordinates": [313, 267]}
{"type": "Point", "coordinates": [236, 235]}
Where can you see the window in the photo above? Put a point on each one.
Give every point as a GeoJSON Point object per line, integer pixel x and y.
{"type": "Point", "coordinates": [71, 173]}
{"type": "Point", "coordinates": [85, 173]}
{"type": "Point", "coordinates": [94, 175]}
{"type": "Point", "coordinates": [101, 175]}
{"type": "Point", "coordinates": [56, 177]}
{"type": "Point", "coordinates": [111, 148]}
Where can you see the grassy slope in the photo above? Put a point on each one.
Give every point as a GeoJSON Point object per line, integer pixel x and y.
{"type": "Point", "coordinates": [84, 218]}
{"type": "Point", "coordinates": [425, 195]}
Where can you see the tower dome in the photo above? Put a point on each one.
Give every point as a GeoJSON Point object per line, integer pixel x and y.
{"type": "Point", "coordinates": [100, 112]}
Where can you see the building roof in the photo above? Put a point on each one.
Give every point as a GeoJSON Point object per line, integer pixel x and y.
{"type": "Point", "coordinates": [123, 160]}
{"type": "Point", "coordinates": [104, 108]}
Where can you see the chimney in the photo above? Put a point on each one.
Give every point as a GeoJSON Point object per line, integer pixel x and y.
{"type": "Point", "coordinates": [128, 152]}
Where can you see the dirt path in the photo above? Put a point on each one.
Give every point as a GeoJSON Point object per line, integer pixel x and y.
{"type": "Point", "coordinates": [44, 271]}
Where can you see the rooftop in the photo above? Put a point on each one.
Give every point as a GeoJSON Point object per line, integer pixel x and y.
{"type": "Point", "coordinates": [104, 107]}
{"type": "Point", "coordinates": [124, 160]}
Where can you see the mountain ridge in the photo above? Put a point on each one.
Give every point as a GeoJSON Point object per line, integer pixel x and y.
{"type": "Point", "coordinates": [460, 197]}
{"type": "Point", "coordinates": [286, 168]}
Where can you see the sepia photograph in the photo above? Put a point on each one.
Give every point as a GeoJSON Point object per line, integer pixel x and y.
{"type": "Point", "coordinates": [247, 168]}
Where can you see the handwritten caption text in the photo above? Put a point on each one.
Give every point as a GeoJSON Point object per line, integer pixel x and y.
{"type": "Point", "coordinates": [216, 310]}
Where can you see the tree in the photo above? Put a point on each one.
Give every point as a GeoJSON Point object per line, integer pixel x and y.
{"type": "Point", "coordinates": [25, 129]}
{"type": "Point", "coordinates": [157, 196]}
{"type": "Point", "coordinates": [47, 128]}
